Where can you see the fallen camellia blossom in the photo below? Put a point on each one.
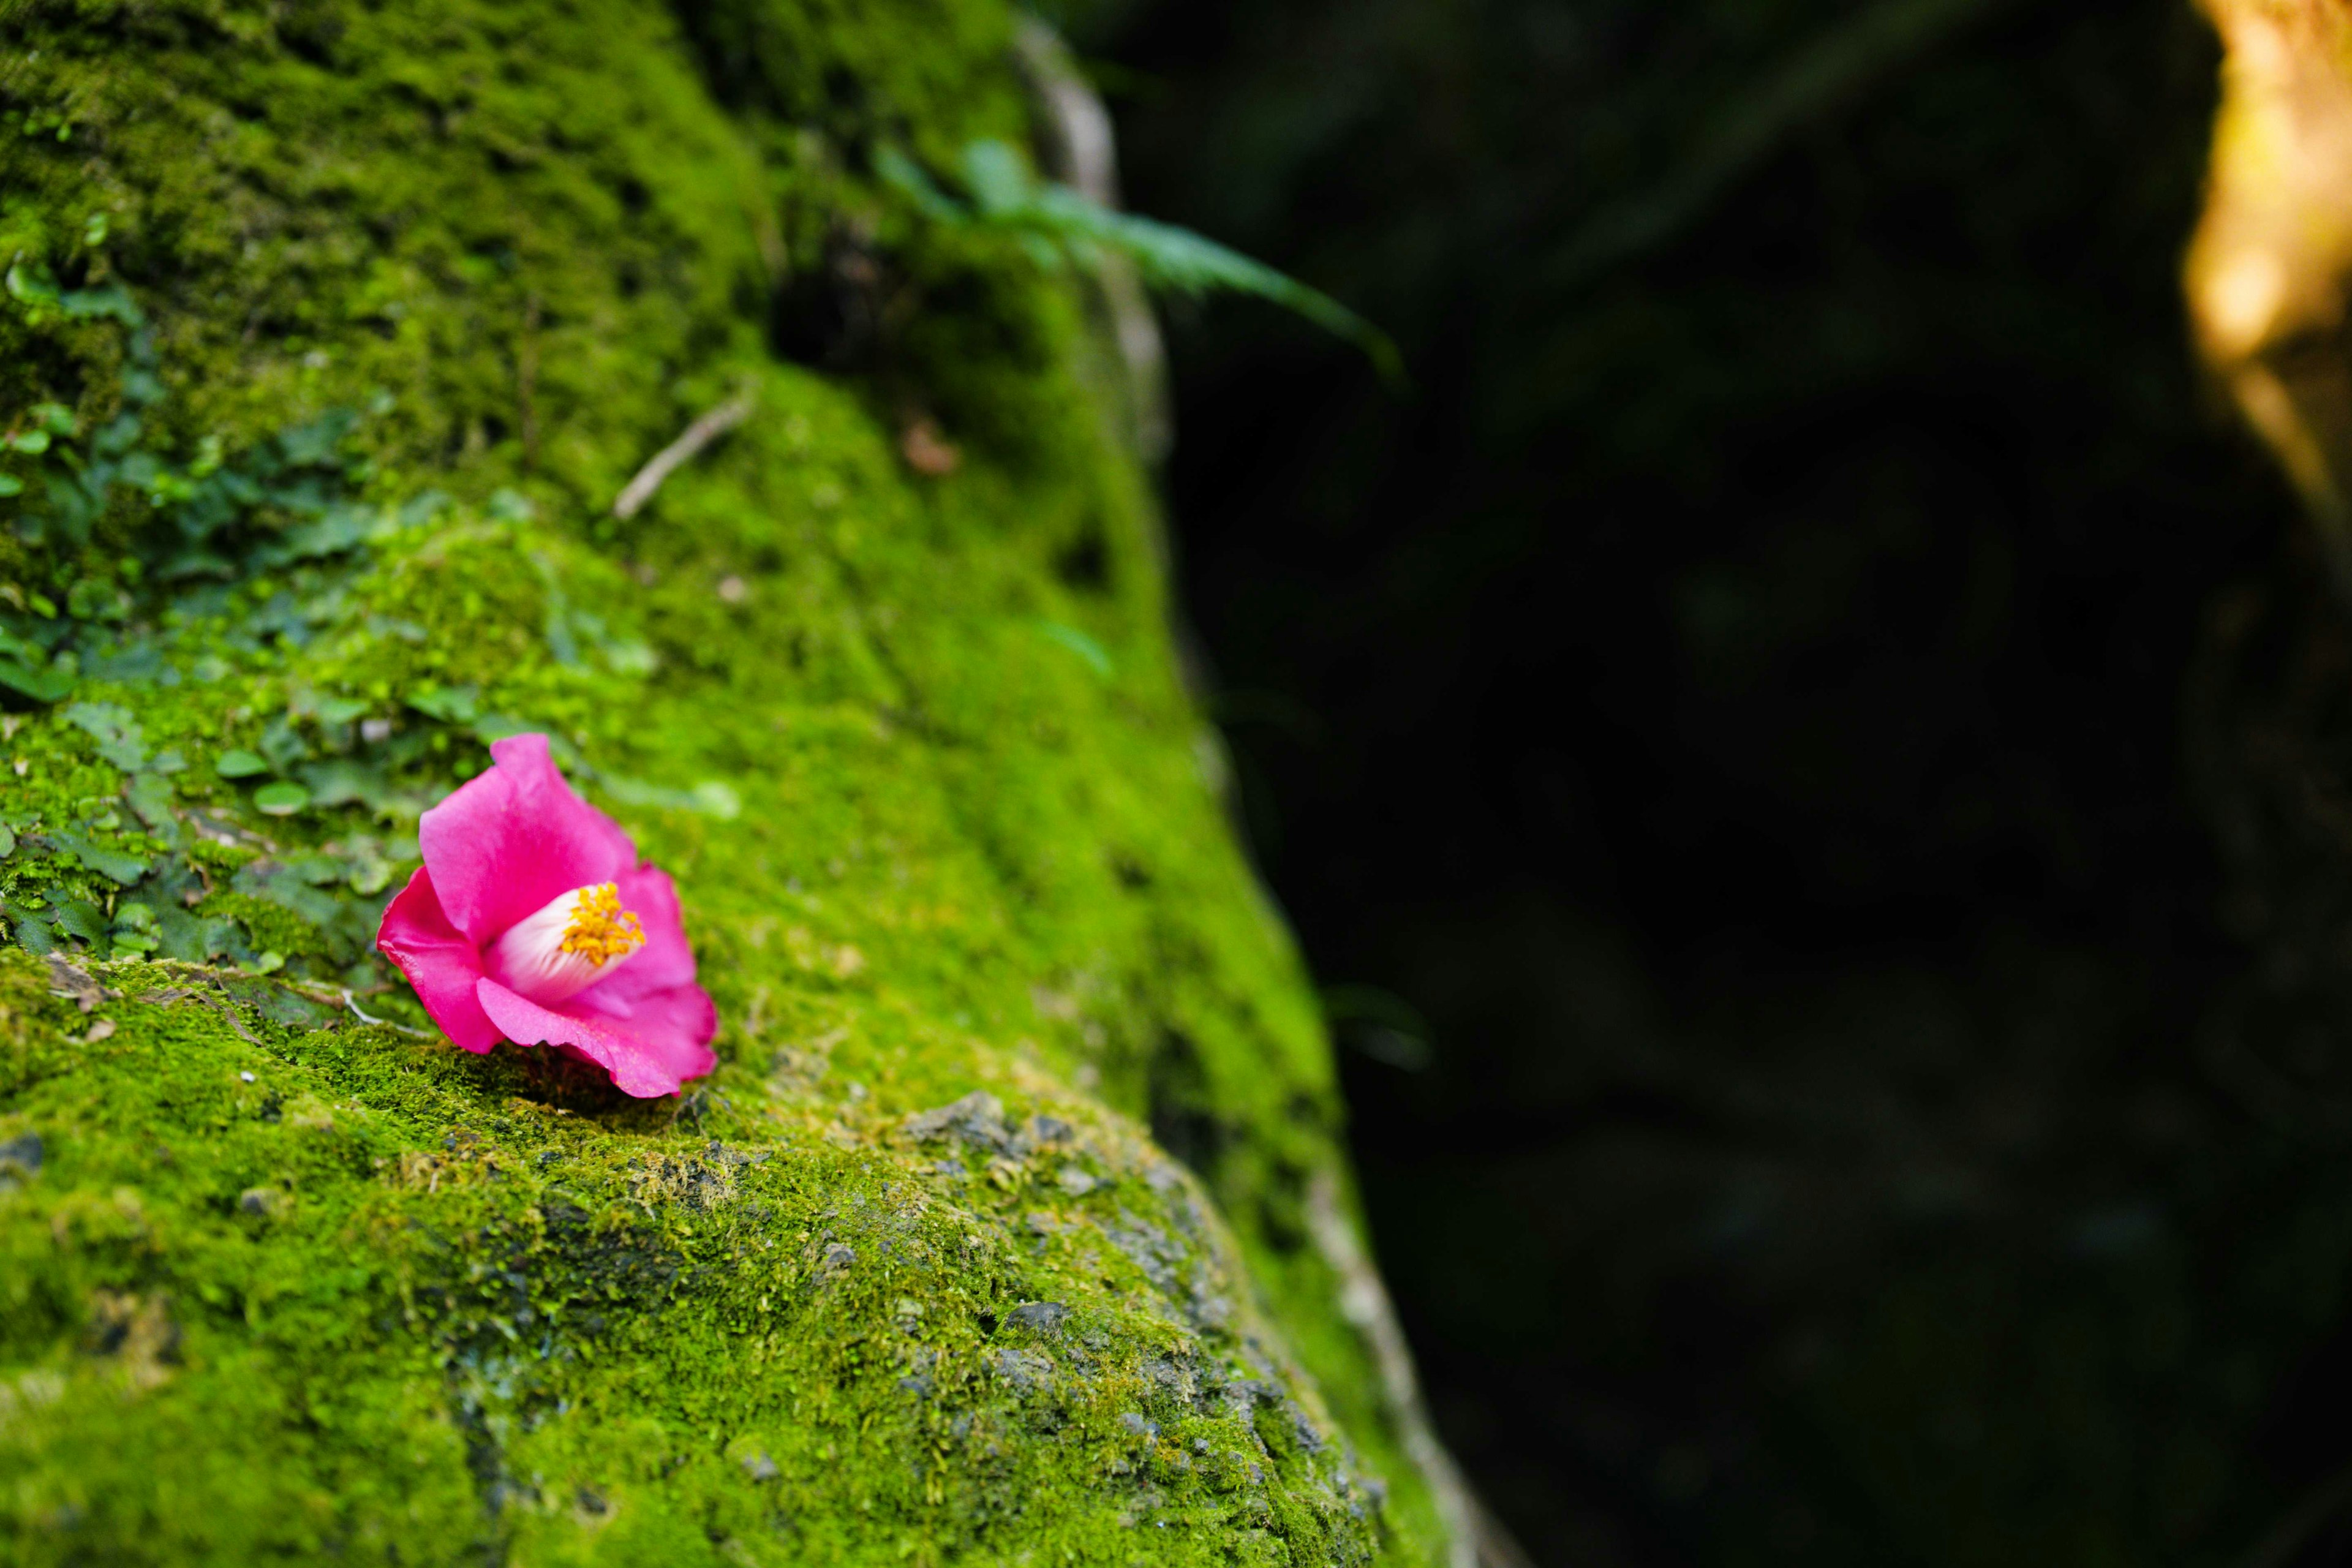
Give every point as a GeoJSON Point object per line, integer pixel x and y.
{"type": "Point", "coordinates": [531, 921]}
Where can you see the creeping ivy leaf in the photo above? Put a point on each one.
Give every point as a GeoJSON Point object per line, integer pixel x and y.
{"type": "Point", "coordinates": [314, 444]}
{"type": "Point", "coordinates": [340, 781]}
{"type": "Point", "coordinates": [117, 735]}
{"type": "Point", "coordinates": [181, 935]}
{"type": "Point", "coordinates": [118, 435]}
{"type": "Point", "coordinates": [109, 301]}
{"type": "Point", "coordinates": [82, 919]}
{"type": "Point", "coordinates": [343, 528]}
{"type": "Point", "coordinates": [238, 764]}
{"type": "Point", "coordinates": [112, 864]}
{"type": "Point", "coordinates": [282, 745]}
{"type": "Point", "coordinates": [30, 927]}
{"type": "Point", "coordinates": [150, 796]}
{"type": "Point", "coordinates": [316, 870]}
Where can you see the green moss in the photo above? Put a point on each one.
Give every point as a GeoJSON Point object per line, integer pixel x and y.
{"type": "Point", "coordinates": [360, 1295]}
{"type": "Point", "coordinates": [914, 747]}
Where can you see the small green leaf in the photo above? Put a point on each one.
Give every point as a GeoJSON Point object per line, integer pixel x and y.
{"type": "Point", "coordinates": [10, 485]}
{"type": "Point", "coordinates": [370, 875]}
{"type": "Point", "coordinates": [280, 799]}
{"type": "Point", "coordinates": [713, 798]}
{"type": "Point", "coordinates": [1056, 220]}
{"type": "Point", "coordinates": [33, 442]}
{"type": "Point", "coordinates": [142, 387]}
{"type": "Point", "coordinates": [450, 704]}
{"type": "Point", "coordinates": [1096, 657]}
{"type": "Point", "coordinates": [492, 727]}
{"type": "Point", "coordinates": [40, 685]}
{"type": "Point", "coordinates": [902, 171]}
{"type": "Point", "coordinates": [238, 764]}
{"type": "Point", "coordinates": [31, 286]}
{"type": "Point", "coordinates": [997, 178]}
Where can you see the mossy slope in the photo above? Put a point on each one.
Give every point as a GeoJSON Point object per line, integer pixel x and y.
{"type": "Point", "coordinates": [354, 320]}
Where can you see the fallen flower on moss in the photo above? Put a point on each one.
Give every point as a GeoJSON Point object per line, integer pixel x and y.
{"type": "Point", "coordinates": [531, 921]}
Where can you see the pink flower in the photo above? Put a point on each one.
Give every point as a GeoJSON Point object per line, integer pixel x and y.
{"type": "Point", "coordinates": [531, 921]}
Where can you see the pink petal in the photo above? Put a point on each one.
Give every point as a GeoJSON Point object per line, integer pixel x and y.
{"type": "Point", "coordinates": [672, 1027]}
{"type": "Point", "coordinates": [504, 844]}
{"type": "Point", "coordinates": [438, 961]}
{"type": "Point", "coordinates": [661, 1043]}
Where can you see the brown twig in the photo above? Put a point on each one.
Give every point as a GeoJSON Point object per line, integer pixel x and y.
{"type": "Point", "coordinates": [226, 1011]}
{"type": "Point", "coordinates": [670, 458]}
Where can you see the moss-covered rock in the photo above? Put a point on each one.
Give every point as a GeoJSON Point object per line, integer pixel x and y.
{"type": "Point", "coordinates": [332, 330]}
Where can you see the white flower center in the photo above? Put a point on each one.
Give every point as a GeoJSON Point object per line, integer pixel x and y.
{"type": "Point", "coordinates": [574, 940]}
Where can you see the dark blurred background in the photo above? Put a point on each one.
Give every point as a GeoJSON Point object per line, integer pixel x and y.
{"type": "Point", "coordinates": [1807, 748]}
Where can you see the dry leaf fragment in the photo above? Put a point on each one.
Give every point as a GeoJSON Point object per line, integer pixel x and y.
{"type": "Point", "coordinates": [226, 1011]}
{"type": "Point", "coordinates": [65, 980]}
{"type": "Point", "coordinates": [927, 452]}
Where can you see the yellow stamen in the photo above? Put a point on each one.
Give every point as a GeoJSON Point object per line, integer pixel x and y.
{"type": "Point", "coordinates": [601, 929]}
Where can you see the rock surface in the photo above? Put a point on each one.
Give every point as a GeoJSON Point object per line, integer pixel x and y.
{"type": "Point", "coordinates": [333, 331]}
